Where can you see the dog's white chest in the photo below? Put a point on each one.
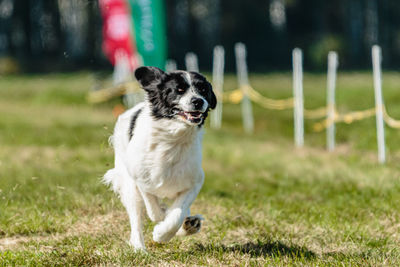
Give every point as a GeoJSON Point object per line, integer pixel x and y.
{"type": "Point", "coordinates": [166, 168]}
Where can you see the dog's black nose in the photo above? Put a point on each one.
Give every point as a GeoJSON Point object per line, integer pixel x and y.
{"type": "Point", "coordinates": [197, 102]}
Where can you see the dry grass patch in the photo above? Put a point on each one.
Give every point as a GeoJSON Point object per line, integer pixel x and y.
{"type": "Point", "coordinates": [100, 224]}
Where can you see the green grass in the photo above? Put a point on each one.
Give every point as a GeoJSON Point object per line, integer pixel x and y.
{"type": "Point", "coordinates": [265, 202]}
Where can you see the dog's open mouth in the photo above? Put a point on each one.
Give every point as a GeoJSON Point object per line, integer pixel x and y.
{"type": "Point", "coordinates": [191, 116]}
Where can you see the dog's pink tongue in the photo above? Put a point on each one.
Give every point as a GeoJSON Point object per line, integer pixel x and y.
{"type": "Point", "coordinates": [193, 115]}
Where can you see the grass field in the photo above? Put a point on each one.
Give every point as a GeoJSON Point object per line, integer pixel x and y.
{"type": "Point", "coordinates": [265, 203]}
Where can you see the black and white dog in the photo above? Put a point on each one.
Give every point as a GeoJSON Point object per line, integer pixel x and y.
{"type": "Point", "coordinates": [158, 154]}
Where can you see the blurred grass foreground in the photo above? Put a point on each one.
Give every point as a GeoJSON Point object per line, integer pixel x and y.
{"type": "Point", "coordinates": [264, 201]}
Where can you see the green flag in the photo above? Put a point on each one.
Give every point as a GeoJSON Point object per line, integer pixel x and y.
{"type": "Point", "coordinates": [149, 25]}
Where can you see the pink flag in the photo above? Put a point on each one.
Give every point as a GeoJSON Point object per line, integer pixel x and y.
{"type": "Point", "coordinates": [117, 32]}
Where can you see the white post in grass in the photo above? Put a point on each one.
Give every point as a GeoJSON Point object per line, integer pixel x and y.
{"type": "Point", "coordinates": [380, 129]}
{"type": "Point", "coordinates": [170, 65]}
{"type": "Point", "coordinates": [243, 80]}
{"type": "Point", "coordinates": [191, 62]}
{"type": "Point", "coordinates": [298, 97]}
{"type": "Point", "coordinates": [331, 84]}
{"type": "Point", "coordinates": [218, 84]}
{"type": "Point", "coordinates": [122, 74]}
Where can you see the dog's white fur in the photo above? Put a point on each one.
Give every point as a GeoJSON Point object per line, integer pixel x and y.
{"type": "Point", "coordinates": [162, 160]}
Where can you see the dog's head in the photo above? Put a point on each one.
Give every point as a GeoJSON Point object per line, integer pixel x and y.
{"type": "Point", "coordinates": [180, 95]}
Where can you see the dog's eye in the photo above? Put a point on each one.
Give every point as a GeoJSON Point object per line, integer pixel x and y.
{"type": "Point", "coordinates": [180, 90]}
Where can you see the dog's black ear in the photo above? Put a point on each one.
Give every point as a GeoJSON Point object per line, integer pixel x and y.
{"type": "Point", "coordinates": [213, 98]}
{"type": "Point", "coordinates": [148, 75]}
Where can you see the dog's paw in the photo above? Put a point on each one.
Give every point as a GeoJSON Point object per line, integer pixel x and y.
{"type": "Point", "coordinates": [191, 225]}
{"type": "Point", "coordinates": [161, 234]}
{"type": "Point", "coordinates": [137, 246]}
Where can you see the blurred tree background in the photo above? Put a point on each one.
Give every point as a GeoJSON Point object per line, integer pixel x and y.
{"type": "Point", "coordinates": [47, 35]}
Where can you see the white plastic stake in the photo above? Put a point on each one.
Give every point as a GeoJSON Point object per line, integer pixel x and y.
{"type": "Point", "coordinates": [298, 97]}
{"type": "Point", "coordinates": [243, 80]}
{"type": "Point", "coordinates": [122, 73]}
{"type": "Point", "coordinates": [218, 84]}
{"type": "Point", "coordinates": [191, 62]}
{"type": "Point", "coordinates": [170, 65]}
{"type": "Point", "coordinates": [331, 86]}
{"type": "Point", "coordinates": [380, 129]}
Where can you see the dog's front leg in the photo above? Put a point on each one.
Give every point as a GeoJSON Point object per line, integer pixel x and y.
{"type": "Point", "coordinates": [176, 214]}
{"type": "Point", "coordinates": [153, 208]}
{"type": "Point", "coordinates": [133, 202]}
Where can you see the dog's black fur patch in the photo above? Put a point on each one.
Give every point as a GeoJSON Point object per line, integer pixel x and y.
{"type": "Point", "coordinates": [133, 121]}
{"type": "Point", "coordinates": [164, 90]}
{"type": "Point", "coordinates": [166, 96]}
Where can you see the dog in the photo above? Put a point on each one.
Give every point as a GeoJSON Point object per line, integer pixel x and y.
{"type": "Point", "coordinates": [158, 152]}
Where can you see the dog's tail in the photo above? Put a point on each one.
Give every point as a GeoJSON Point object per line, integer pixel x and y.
{"type": "Point", "coordinates": [111, 179]}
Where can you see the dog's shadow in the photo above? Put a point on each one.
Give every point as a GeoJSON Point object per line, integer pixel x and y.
{"type": "Point", "coordinates": [259, 249]}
